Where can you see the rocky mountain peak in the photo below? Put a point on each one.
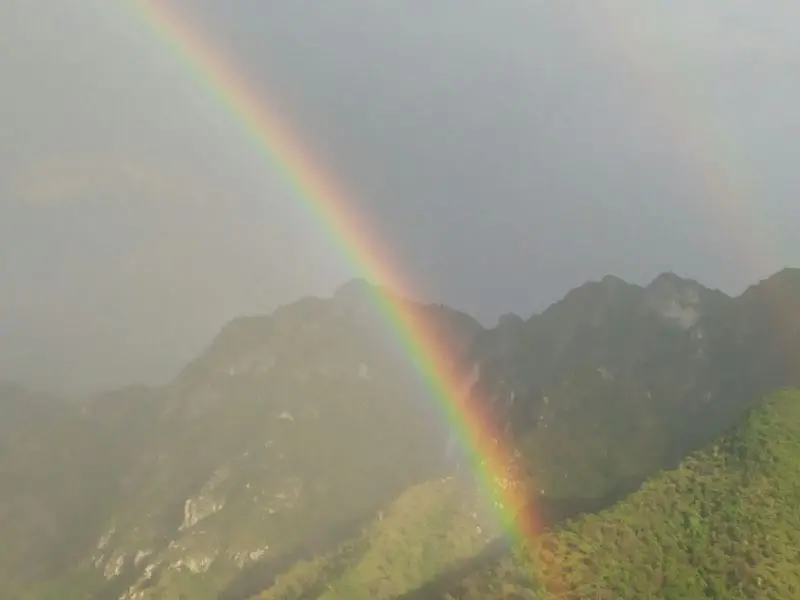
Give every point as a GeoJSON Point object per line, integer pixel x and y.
{"type": "Point", "coordinates": [784, 283]}
{"type": "Point", "coordinates": [675, 299]}
{"type": "Point", "coordinates": [301, 424]}
{"type": "Point", "coordinates": [509, 322]}
{"type": "Point", "coordinates": [355, 290]}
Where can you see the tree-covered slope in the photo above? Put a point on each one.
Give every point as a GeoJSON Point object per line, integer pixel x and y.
{"type": "Point", "coordinates": [289, 434]}
{"type": "Point", "coordinates": [724, 524]}
{"type": "Point", "coordinates": [616, 380]}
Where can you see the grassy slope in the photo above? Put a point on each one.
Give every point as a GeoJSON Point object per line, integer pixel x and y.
{"type": "Point", "coordinates": [427, 530]}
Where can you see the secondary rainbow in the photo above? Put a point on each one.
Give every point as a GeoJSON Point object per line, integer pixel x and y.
{"type": "Point", "coordinates": [273, 137]}
{"type": "Point", "coordinates": [710, 153]}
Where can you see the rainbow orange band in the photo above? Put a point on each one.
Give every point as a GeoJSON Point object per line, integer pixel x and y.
{"type": "Point", "coordinates": [273, 137]}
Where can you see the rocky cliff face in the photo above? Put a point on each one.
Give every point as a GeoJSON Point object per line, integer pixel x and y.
{"type": "Point", "coordinates": [278, 440]}
{"type": "Point", "coordinates": [292, 430]}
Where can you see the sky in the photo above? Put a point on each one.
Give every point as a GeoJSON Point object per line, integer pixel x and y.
{"type": "Point", "coordinates": [503, 151]}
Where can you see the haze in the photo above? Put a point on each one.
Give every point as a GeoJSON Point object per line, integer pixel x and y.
{"type": "Point", "coordinates": [504, 151]}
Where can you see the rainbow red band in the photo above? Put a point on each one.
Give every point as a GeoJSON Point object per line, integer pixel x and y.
{"type": "Point", "coordinates": [273, 138]}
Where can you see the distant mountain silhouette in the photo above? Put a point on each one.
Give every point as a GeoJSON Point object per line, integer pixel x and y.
{"type": "Point", "coordinates": [296, 432]}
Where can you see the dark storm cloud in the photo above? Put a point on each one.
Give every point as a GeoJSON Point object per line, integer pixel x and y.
{"type": "Point", "coordinates": [521, 147]}
{"type": "Point", "coordinates": [506, 151]}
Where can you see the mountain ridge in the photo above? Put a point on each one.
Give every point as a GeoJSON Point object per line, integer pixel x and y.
{"type": "Point", "coordinates": [300, 425]}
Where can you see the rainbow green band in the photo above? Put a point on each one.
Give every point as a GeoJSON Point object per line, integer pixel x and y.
{"type": "Point", "coordinates": [272, 137]}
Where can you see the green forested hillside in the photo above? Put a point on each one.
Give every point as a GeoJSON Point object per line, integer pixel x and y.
{"type": "Point", "coordinates": [724, 524]}
{"type": "Point", "coordinates": [301, 456]}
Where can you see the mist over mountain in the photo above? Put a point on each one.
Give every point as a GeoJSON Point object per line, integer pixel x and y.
{"type": "Point", "coordinates": [294, 432]}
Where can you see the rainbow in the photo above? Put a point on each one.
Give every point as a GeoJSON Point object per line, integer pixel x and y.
{"type": "Point", "coordinates": [280, 147]}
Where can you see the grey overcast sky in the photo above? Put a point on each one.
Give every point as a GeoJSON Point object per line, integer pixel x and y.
{"type": "Point", "coordinates": [504, 150]}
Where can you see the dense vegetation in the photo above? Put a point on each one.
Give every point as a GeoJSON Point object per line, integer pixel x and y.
{"type": "Point", "coordinates": [300, 456]}
{"type": "Point", "coordinates": [724, 524]}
